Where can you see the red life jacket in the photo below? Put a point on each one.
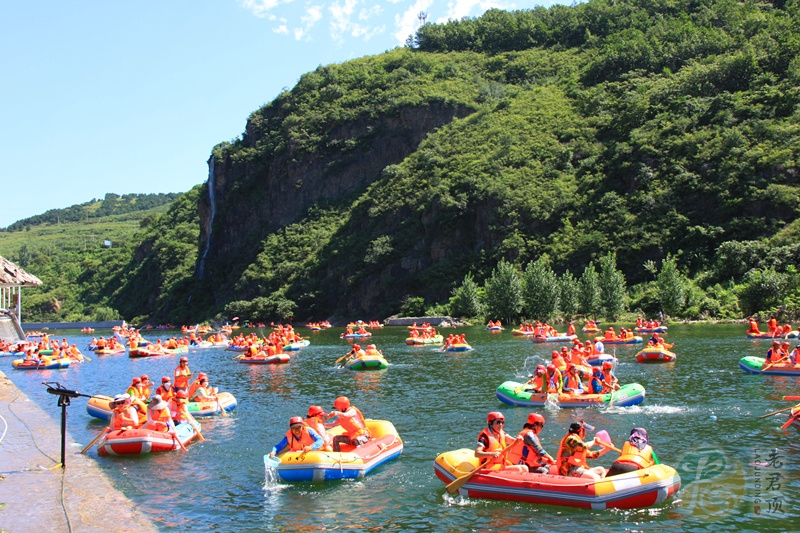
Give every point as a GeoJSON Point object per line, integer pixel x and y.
{"type": "Point", "coordinates": [495, 445]}
{"type": "Point", "coordinates": [631, 454]}
{"type": "Point", "coordinates": [297, 445]}
{"type": "Point", "coordinates": [517, 455]}
{"type": "Point", "coordinates": [354, 426]}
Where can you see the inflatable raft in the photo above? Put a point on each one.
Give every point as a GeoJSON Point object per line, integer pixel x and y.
{"type": "Point", "coordinates": [590, 331]}
{"type": "Point", "coordinates": [277, 359]}
{"type": "Point", "coordinates": [630, 394]}
{"type": "Point", "coordinates": [555, 338]}
{"type": "Point", "coordinates": [523, 332]}
{"type": "Point", "coordinates": [295, 346]}
{"type": "Point", "coordinates": [110, 351]}
{"type": "Point", "coordinates": [458, 347]}
{"type": "Point", "coordinates": [367, 362]}
{"type": "Point", "coordinates": [98, 407]}
{"type": "Point", "coordinates": [657, 329]}
{"type": "Point", "coordinates": [140, 441]}
{"type": "Point", "coordinates": [355, 335]}
{"type": "Point", "coordinates": [351, 462]}
{"type": "Point", "coordinates": [45, 364]}
{"type": "Point", "coordinates": [653, 354]}
{"type": "Point", "coordinates": [767, 335]}
{"type": "Point", "coordinates": [619, 340]}
{"type": "Point", "coordinates": [632, 490]}
{"type": "Point", "coordinates": [425, 341]}
{"type": "Point", "coordinates": [600, 358]}
{"type": "Point", "coordinates": [144, 352]}
{"type": "Point", "coordinates": [755, 365]}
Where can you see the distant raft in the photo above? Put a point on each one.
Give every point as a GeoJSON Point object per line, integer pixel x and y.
{"type": "Point", "coordinates": [367, 362]}
{"type": "Point", "coordinates": [425, 341]}
{"type": "Point", "coordinates": [655, 354]}
{"type": "Point", "coordinates": [512, 393]}
{"type": "Point", "coordinates": [554, 338]}
{"type": "Point", "coordinates": [138, 441]}
{"type": "Point", "coordinates": [45, 363]}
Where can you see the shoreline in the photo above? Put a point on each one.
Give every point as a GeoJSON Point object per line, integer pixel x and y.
{"type": "Point", "coordinates": [37, 494]}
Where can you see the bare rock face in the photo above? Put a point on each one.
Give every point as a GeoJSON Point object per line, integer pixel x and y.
{"type": "Point", "coordinates": [255, 198]}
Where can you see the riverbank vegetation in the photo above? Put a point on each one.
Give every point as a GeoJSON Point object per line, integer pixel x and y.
{"type": "Point", "coordinates": [627, 156]}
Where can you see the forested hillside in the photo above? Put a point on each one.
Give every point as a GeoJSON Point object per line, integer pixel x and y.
{"type": "Point", "coordinates": [653, 142]}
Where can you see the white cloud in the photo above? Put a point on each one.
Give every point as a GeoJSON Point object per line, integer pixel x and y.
{"type": "Point", "coordinates": [459, 9]}
{"type": "Point", "coordinates": [313, 14]}
{"type": "Point", "coordinates": [368, 13]}
{"type": "Point", "coordinates": [407, 23]}
{"type": "Point", "coordinates": [281, 29]}
{"type": "Point", "coordinates": [342, 25]}
{"type": "Point", "coordinates": [260, 8]}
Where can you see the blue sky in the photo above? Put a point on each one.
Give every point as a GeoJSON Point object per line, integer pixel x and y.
{"type": "Point", "coordinates": [130, 97]}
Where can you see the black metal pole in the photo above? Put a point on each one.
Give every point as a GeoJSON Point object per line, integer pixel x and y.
{"type": "Point", "coordinates": [63, 401]}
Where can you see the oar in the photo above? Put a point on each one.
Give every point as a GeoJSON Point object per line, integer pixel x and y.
{"type": "Point", "coordinates": [793, 398]}
{"type": "Point", "coordinates": [224, 412]}
{"type": "Point", "coordinates": [88, 446]}
{"type": "Point", "coordinates": [774, 363]}
{"type": "Point", "coordinates": [86, 357]}
{"type": "Point", "coordinates": [175, 437]}
{"type": "Point", "coordinates": [776, 412]}
{"type": "Point", "coordinates": [519, 389]}
{"type": "Point", "coordinates": [458, 483]}
{"type": "Point", "coordinates": [342, 357]}
{"type": "Point", "coordinates": [607, 445]}
{"type": "Point", "coordinates": [193, 422]}
{"type": "Point", "coordinates": [788, 422]}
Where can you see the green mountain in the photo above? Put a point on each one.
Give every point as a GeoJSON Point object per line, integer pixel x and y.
{"type": "Point", "coordinates": [647, 128]}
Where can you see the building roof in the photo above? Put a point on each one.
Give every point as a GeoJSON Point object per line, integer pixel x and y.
{"type": "Point", "coordinates": [13, 276]}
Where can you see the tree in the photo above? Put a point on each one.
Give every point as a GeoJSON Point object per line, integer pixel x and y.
{"type": "Point", "coordinates": [612, 287]}
{"type": "Point", "coordinates": [761, 290]}
{"type": "Point", "coordinates": [504, 292]}
{"type": "Point", "coordinates": [540, 289]}
{"type": "Point", "coordinates": [589, 297]}
{"type": "Point", "coordinates": [568, 295]}
{"type": "Point", "coordinates": [670, 287]}
{"type": "Point", "coordinates": [466, 299]}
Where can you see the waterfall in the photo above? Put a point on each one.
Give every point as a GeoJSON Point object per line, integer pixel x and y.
{"type": "Point", "coordinates": [213, 212]}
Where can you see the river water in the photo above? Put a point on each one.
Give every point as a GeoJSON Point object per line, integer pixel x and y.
{"type": "Point", "coordinates": [739, 472]}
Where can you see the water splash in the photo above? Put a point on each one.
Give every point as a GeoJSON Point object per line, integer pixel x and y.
{"type": "Point", "coordinates": [212, 201]}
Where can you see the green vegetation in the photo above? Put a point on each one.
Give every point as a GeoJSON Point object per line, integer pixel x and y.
{"type": "Point", "coordinates": [651, 145]}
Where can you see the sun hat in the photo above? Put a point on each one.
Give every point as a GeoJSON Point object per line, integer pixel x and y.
{"type": "Point", "coordinates": [157, 403]}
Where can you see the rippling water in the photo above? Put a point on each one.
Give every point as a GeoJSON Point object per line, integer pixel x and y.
{"type": "Point", "coordinates": [438, 402]}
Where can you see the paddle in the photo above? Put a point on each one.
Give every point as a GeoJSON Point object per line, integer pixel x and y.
{"type": "Point", "coordinates": [224, 412]}
{"type": "Point", "coordinates": [776, 412]}
{"type": "Point", "coordinates": [193, 422]}
{"type": "Point", "coordinates": [88, 446]}
{"type": "Point", "coordinates": [342, 357]}
{"type": "Point", "coordinates": [519, 389]}
{"type": "Point", "coordinates": [602, 438]}
{"type": "Point", "coordinates": [459, 482]}
{"type": "Point", "coordinates": [793, 398]}
{"type": "Point", "coordinates": [788, 422]}
{"type": "Point", "coordinates": [774, 363]}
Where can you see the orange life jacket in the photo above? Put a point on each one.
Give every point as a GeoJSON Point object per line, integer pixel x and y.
{"type": "Point", "coordinates": [517, 455]}
{"type": "Point", "coordinates": [181, 376]}
{"type": "Point", "coordinates": [124, 416]}
{"type": "Point", "coordinates": [165, 393]}
{"type": "Point", "coordinates": [297, 445]}
{"type": "Point", "coordinates": [565, 458]}
{"type": "Point", "coordinates": [315, 424]}
{"type": "Point", "coordinates": [158, 419]}
{"type": "Point", "coordinates": [631, 454]}
{"type": "Point", "coordinates": [495, 445]}
{"type": "Point", "coordinates": [354, 426]}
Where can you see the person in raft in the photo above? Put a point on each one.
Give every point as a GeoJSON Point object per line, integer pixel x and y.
{"type": "Point", "coordinates": [494, 445]}
{"type": "Point", "coordinates": [596, 382]}
{"type": "Point", "coordinates": [636, 454]}
{"type": "Point", "coordinates": [123, 414]}
{"type": "Point", "coordinates": [794, 357]}
{"type": "Point", "coordinates": [573, 452]}
{"type": "Point", "coordinates": [527, 450]}
{"type": "Point", "coordinates": [316, 421]}
{"type": "Point", "coordinates": [182, 374]}
{"type": "Point", "coordinates": [350, 418]}
{"type": "Point", "coordinates": [299, 438]}
{"type": "Point", "coordinates": [158, 416]}
{"type": "Point", "coordinates": [534, 384]}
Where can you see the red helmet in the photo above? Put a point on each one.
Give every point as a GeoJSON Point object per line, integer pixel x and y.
{"type": "Point", "coordinates": [315, 410]}
{"type": "Point", "coordinates": [535, 418]}
{"type": "Point", "coordinates": [202, 375]}
{"type": "Point", "coordinates": [184, 360]}
{"type": "Point", "coordinates": [563, 348]}
{"type": "Point", "coordinates": [655, 335]}
{"type": "Point", "coordinates": [571, 366]}
{"type": "Point", "coordinates": [495, 415]}
{"type": "Point", "coordinates": [554, 354]}
{"type": "Point", "coordinates": [145, 377]}
{"type": "Point", "coordinates": [540, 368]}
{"type": "Point", "coordinates": [551, 368]}
{"type": "Point", "coordinates": [134, 381]}
{"type": "Point", "coordinates": [182, 394]}
{"type": "Point", "coordinates": [342, 403]}
{"type": "Point", "coordinates": [295, 420]}
{"type": "Point", "coordinates": [165, 379]}
{"type": "Point", "coordinates": [607, 365]}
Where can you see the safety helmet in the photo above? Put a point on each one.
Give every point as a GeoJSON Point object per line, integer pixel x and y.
{"type": "Point", "coordinates": [607, 365]}
{"type": "Point", "coordinates": [342, 403]}
{"type": "Point", "coordinates": [655, 335]}
{"type": "Point", "coordinates": [776, 343]}
{"type": "Point", "coordinates": [202, 375]}
{"type": "Point", "coordinates": [315, 410]}
{"type": "Point", "coordinates": [184, 360]}
{"type": "Point", "coordinates": [295, 420]}
{"type": "Point", "coordinates": [571, 366]}
{"type": "Point", "coordinates": [182, 394]}
{"type": "Point", "coordinates": [551, 368]}
{"type": "Point", "coordinates": [535, 418]}
{"type": "Point", "coordinates": [145, 377]}
{"type": "Point", "coordinates": [596, 370]}
{"type": "Point", "coordinates": [136, 381]}
{"type": "Point", "coordinates": [563, 348]}
{"type": "Point", "coordinates": [554, 354]}
{"type": "Point", "coordinates": [165, 379]}
{"type": "Point", "coordinates": [495, 415]}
